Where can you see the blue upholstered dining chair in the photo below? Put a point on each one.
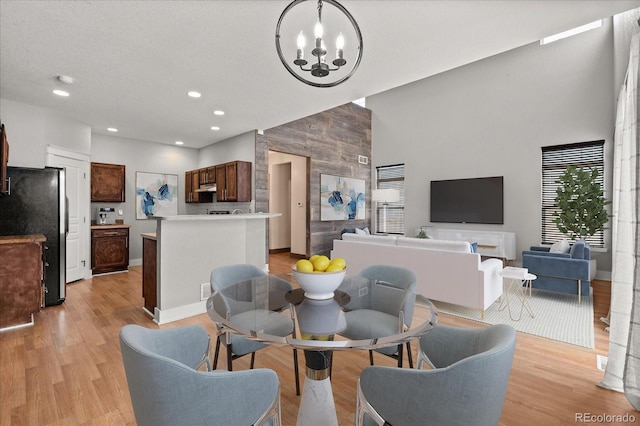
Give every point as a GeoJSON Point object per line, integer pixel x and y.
{"type": "Point", "coordinates": [166, 387]}
{"type": "Point", "coordinates": [392, 302]}
{"type": "Point", "coordinates": [238, 346]}
{"type": "Point", "coordinates": [466, 384]}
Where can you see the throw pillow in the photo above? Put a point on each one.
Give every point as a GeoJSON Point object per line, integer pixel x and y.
{"type": "Point", "coordinates": [560, 247]}
{"type": "Point", "coordinates": [360, 231]}
{"type": "Point", "coordinates": [474, 247]}
{"type": "Point", "coordinates": [366, 231]}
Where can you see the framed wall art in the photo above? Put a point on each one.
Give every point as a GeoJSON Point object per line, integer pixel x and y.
{"type": "Point", "coordinates": [341, 198]}
{"type": "Point", "coordinates": [156, 195]}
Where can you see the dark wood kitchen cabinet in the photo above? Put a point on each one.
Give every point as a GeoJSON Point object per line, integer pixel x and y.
{"type": "Point", "coordinates": [191, 183]}
{"type": "Point", "coordinates": [193, 179]}
{"type": "Point", "coordinates": [21, 275]}
{"type": "Point", "coordinates": [233, 181]}
{"type": "Point", "coordinates": [107, 182]}
{"type": "Point", "coordinates": [109, 248]}
{"type": "Point", "coordinates": [4, 159]}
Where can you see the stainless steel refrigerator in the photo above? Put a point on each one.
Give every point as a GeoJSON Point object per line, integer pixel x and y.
{"type": "Point", "coordinates": [35, 203]}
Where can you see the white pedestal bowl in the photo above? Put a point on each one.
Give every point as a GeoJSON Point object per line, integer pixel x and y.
{"type": "Point", "coordinates": [319, 285]}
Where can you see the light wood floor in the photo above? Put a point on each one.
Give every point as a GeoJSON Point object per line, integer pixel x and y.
{"type": "Point", "coordinates": [67, 368]}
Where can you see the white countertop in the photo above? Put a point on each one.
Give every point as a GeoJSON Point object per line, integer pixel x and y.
{"type": "Point", "coordinates": [243, 216]}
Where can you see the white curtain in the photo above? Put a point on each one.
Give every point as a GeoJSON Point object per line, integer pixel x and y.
{"type": "Point", "coordinates": [623, 366]}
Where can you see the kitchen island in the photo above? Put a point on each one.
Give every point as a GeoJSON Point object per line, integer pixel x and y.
{"type": "Point", "coordinates": [189, 247]}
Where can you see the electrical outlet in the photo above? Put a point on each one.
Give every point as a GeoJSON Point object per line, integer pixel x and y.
{"type": "Point", "coordinates": [363, 159]}
{"type": "Point", "coordinates": [205, 291]}
{"type": "Point", "coordinates": [363, 292]}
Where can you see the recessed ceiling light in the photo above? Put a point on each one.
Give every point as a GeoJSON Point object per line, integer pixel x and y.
{"type": "Point", "coordinates": [194, 94]}
{"type": "Point", "coordinates": [218, 112]}
{"type": "Point", "coordinates": [112, 129]}
{"type": "Point", "coordinates": [65, 79]}
{"type": "Point", "coordinates": [61, 92]}
{"type": "Point", "coordinates": [179, 143]}
{"type": "Point", "coordinates": [215, 128]}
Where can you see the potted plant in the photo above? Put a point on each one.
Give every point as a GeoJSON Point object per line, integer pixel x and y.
{"type": "Point", "coordinates": [581, 204]}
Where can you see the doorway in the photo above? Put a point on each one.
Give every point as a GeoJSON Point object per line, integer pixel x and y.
{"type": "Point", "coordinates": [288, 195]}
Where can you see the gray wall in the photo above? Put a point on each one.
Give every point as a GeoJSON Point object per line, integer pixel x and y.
{"type": "Point", "coordinates": [492, 117]}
{"type": "Point", "coordinates": [141, 156]}
{"type": "Point", "coordinates": [30, 129]}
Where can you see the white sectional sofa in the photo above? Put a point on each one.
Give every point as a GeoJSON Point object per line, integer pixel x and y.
{"type": "Point", "coordinates": [447, 271]}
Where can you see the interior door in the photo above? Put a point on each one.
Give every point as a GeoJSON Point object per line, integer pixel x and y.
{"type": "Point", "coordinates": [77, 187]}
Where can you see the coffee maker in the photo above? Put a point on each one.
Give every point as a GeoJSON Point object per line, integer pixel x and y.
{"type": "Point", "coordinates": [105, 216]}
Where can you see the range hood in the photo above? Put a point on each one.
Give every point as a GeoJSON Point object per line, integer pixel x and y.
{"type": "Point", "coordinates": [207, 188]}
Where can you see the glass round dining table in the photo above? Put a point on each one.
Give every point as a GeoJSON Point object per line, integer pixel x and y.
{"type": "Point", "coordinates": [240, 308]}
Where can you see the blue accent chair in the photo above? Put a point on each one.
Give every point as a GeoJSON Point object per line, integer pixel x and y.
{"type": "Point", "coordinates": [238, 346]}
{"type": "Point", "coordinates": [466, 384]}
{"type": "Point", "coordinates": [560, 272]}
{"type": "Point", "coordinates": [166, 387]}
{"type": "Point", "coordinates": [393, 301]}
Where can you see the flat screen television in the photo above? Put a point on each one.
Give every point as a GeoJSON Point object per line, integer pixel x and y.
{"type": "Point", "coordinates": [477, 200]}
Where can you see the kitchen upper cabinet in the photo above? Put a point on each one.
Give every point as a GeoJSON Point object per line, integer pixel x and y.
{"type": "Point", "coordinates": [233, 181]}
{"type": "Point", "coordinates": [109, 249]}
{"type": "Point", "coordinates": [4, 159]}
{"type": "Point", "coordinates": [192, 181]}
{"type": "Point", "coordinates": [107, 182]}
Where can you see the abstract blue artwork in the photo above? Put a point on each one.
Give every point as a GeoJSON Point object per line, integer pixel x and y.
{"type": "Point", "coordinates": [156, 195]}
{"type": "Point", "coordinates": [341, 198]}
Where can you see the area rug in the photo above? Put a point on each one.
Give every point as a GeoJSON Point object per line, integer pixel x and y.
{"type": "Point", "coordinates": [557, 316]}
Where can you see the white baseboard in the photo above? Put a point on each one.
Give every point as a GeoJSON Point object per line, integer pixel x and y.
{"type": "Point", "coordinates": [179, 312]}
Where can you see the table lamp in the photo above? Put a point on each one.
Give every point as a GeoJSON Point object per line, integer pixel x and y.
{"type": "Point", "coordinates": [385, 196]}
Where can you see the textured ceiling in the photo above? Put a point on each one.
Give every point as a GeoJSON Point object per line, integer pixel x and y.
{"type": "Point", "coordinates": [134, 61]}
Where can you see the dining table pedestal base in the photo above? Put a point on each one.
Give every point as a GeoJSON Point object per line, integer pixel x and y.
{"type": "Point", "coordinates": [317, 406]}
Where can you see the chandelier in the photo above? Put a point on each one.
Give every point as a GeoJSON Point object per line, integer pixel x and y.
{"type": "Point", "coordinates": [317, 70]}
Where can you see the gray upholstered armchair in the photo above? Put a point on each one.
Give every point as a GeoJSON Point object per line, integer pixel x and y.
{"type": "Point", "coordinates": [560, 272]}
{"type": "Point", "coordinates": [167, 389]}
{"type": "Point", "coordinates": [466, 385]}
{"type": "Point", "coordinates": [392, 303]}
{"type": "Point", "coordinates": [238, 346]}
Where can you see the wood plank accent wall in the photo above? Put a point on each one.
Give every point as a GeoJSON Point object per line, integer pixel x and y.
{"type": "Point", "coordinates": [332, 141]}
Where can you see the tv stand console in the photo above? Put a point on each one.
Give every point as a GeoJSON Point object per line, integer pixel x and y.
{"type": "Point", "coordinates": [490, 243]}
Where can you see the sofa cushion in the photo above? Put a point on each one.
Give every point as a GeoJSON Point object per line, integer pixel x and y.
{"type": "Point", "coordinates": [580, 250]}
{"type": "Point", "coordinates": [375, 239]}
{"type": "Point", "coordinates": [457, 246]}
{"type": "Point", "coordinates": [560, 247]}
{"type": "Point", "coordinates": [364, 231]}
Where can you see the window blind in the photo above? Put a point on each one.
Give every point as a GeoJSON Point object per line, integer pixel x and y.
{"type": "Point", "coordinates": [555, 160]}
{"type": "Point", "coordinates": [391, 177]}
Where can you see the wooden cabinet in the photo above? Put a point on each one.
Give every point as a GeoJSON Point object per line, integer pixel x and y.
{"type": "Point", "coordinates": [191, 184]}
{"type": "Point", "coordinates": [107, 182]}
{"type": "Point", "coordinates": [4, 159]}
{"type": "Point", "coordinates": [20, 279]}
{"type": "Point", "coordinates": [234, 181]}
{"type": "Point", "coordinates": [109, 249]}
{"type": "Point", "coordinates": [149, 273]}
{"type": "Point", "coordinates": [192, 181]}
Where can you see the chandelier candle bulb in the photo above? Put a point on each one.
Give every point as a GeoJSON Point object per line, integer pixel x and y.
{"type": "Point", "coordinates": [301, 44]}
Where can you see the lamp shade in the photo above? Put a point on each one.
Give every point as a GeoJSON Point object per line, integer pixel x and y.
{"type": "Point", "coordinates": [388, 195]}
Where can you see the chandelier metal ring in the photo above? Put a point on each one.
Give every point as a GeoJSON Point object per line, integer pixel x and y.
{"type": "Point", "coordinates": [320, 69]}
